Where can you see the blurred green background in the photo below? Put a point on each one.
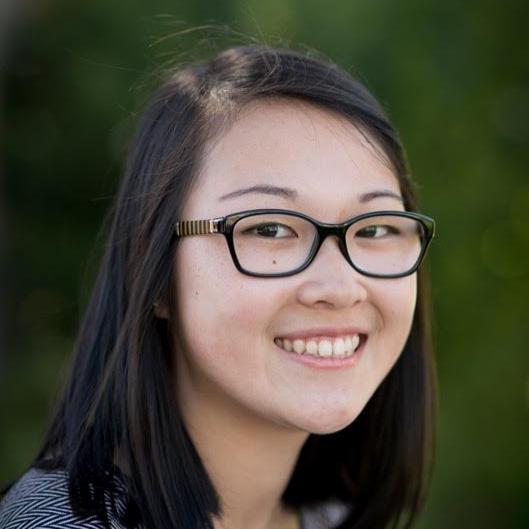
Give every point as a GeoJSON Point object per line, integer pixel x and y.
{"type": "Point", "coordinates": [454, 77]}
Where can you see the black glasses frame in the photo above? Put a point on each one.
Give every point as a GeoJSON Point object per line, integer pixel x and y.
{"type": "Point", "coordinates": [226, 225]}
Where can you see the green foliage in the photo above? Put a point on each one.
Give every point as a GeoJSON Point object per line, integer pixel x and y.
{"type": "Point", "coordinates": [455, 79]}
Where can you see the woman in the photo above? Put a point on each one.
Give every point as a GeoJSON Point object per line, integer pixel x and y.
{"type": "Point", "coordinates": [256, 349]}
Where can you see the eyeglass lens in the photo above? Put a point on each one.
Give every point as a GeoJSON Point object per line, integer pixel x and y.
{"type": "Point", "coordinates": [278, 243]}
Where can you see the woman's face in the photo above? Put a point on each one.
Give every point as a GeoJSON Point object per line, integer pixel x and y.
{"type": "Point", "coordinates": [229, 321]}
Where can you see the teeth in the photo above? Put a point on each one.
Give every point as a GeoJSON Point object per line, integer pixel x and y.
{"type": "Point", "coordinates": [325, 348]}
{"type": "Point", "coordinates": [312, 347]}
{"type": "Point", "coordinates": [339, 347]}
{"type": "Point", "coordinates": [299, 346]}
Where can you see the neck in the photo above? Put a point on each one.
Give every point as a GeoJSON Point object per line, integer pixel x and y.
{"type": "Point", "coordinates": [248, 459]}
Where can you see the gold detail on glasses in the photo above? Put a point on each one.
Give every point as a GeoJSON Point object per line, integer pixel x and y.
{"type": "Point", "coordinates": [197, 227]}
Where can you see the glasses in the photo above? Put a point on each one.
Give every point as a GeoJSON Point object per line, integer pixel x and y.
{"type": "Point", "coordinates": [280, 243]}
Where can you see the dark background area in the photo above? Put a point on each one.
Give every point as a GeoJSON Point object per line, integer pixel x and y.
{"type": "Point", "coordinates": [454, 77]}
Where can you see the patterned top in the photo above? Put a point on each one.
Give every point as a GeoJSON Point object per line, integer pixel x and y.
{"type": "Point", "coordinates": [39, 500]}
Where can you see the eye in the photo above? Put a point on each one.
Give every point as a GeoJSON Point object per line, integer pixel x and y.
{"type": "Point", "coordinates": [271, 230]}
{"type": "Point", "coordinates": [376, 231]}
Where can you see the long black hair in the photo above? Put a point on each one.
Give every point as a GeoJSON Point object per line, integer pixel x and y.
{"type": "Point", "coordinates": [118, 404]}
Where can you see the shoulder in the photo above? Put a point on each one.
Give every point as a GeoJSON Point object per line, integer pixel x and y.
{"type": "Point", "coordinates": [40, 499]}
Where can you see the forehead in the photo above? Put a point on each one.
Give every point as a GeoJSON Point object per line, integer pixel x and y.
{"type": "Point", "coordinates": [321, 155]}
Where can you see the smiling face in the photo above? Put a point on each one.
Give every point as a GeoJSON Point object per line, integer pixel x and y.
{"type": "Point", "coordinates": [229, 323]}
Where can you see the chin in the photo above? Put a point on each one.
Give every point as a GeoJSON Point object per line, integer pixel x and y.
{"type": "Point", "coordinates": [332, 422]}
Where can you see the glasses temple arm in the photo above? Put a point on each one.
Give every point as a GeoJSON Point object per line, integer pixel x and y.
{"type": "Point", "coordinates": [199, 227]}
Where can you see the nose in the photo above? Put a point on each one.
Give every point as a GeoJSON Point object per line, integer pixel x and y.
{"type": "Point", "coordinates": [330, 280]}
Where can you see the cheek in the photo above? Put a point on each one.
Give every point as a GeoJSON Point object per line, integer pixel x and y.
{"type": "Point", "coordinates": [396, 302]}
{"type": "Point", "coordinates": [222, 312]}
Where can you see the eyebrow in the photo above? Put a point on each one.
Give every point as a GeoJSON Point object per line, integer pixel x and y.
{"type": "Point", "coordinates": [292, 194]}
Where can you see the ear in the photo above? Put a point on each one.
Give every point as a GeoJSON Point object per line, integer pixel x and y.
{"type": "Point", "coordinates": [160, 310]}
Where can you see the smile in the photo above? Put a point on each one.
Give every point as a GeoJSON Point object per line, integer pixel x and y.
{"type": "Point", "coordinates": [324, 347]}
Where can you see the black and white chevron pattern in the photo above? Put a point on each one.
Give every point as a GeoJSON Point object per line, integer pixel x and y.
{"type": "Point", "coordinates": [39, 500]}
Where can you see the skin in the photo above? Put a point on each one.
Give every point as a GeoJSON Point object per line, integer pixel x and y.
{"type": "Point", "coordinates": [249, 408]}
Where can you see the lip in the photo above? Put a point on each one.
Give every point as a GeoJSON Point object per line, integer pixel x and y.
{"type": "Point", "coordinates": [328, 363]}
{"type": "Point", "coordinates": [323, 332]}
